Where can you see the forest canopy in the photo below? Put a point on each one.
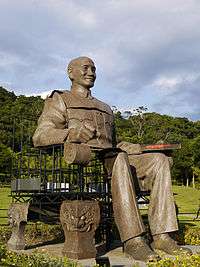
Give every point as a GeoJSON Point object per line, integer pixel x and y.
{"type": "Point", "coordinates": [19, 115]}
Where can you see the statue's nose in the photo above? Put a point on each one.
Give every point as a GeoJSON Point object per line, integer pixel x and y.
{"type": "Point", "coordinates": [90, 72]}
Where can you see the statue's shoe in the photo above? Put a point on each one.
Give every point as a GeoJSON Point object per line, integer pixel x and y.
{"type": "Point", "coordinates": [138, 249]}
{"type": "Point", "coordinates": [165, 243]}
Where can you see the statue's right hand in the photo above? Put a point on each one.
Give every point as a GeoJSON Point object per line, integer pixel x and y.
{"type": "Point", "coordinates": [81, 135]}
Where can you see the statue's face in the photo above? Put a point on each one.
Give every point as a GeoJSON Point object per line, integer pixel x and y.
{"type": "Point", "coordinates": [83, 73]}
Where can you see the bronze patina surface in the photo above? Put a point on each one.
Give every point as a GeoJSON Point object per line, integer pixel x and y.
{"type": "Point", "coordinates": [77, 117]}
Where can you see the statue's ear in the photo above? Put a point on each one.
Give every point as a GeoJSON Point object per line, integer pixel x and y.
{"type": "Point", "coordinates": [70, 73]}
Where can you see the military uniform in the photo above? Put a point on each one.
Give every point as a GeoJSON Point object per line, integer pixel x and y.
{"type": "Point", "coordinates": [67, 110]}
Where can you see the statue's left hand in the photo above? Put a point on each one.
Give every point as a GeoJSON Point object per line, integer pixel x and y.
{"type": "Point", "coordinates": [131, 149]}
{"type": "Point", "coordinates": [81, 135]}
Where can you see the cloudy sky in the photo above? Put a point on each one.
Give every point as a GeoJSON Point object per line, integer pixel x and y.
{"type": "Point", "coordinates": [147, 52]}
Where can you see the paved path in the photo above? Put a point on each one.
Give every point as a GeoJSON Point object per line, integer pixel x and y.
{"type": "Point", "coordinates": [114, 258]}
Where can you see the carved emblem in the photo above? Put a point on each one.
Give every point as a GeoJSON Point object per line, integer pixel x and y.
{"type": "Point", "coordinates": [79, 218]}
{"type": "Point", "coordinates": [17, 213]}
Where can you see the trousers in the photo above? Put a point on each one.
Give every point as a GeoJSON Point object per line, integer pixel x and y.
{"type": "Point", "coordinates": [152, 172]}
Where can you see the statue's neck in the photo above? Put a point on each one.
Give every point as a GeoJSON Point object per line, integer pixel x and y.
{"type": "Point", "coordinates": [80, 91]}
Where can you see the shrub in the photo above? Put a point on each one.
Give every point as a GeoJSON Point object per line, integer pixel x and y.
{"type": "Point", "coordinates": [188, 235]}
{"type": "Point", "coordinates": [192, 236]}
{"type": "Point", "coordinates": [35, 233]}
{"type": "Point", "coordinates": [40, 232]}
{"type": "Point", "coordinates": [9, 258]}
{"type": "Point", "coordinates": [5, 233]}
{"type": "Point", "coordinates": [179, 261]}
{"type": "Point", "coordinates": [2, 251]}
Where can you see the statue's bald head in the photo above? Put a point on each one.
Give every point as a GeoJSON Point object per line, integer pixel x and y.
{"type": "Point", "coordinates": [81, 71]}
{"type": "Point", "coordinates": [77, 61]}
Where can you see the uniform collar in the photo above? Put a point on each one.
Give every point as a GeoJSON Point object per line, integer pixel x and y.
{"type": "Point", "coordinates": [82, 93]}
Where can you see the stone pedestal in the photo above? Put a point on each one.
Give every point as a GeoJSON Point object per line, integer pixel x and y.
{"type": "Point", "coordinates": [17, 216]}
{"type": "Point", "coordinates": [80, 219]}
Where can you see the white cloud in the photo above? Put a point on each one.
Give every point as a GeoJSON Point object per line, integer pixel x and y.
{"type": "Point", "coordinates": [43, 94]}
{"type": "Point", "coordinates": [170, 85]}
{"type": "Point", "coordinates": [165, 83]}
{"type": "Point", "coordinates": [144, 50]}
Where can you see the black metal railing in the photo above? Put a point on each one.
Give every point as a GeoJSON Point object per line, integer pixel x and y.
{"type": "Point", "coordinates": [41, 177]}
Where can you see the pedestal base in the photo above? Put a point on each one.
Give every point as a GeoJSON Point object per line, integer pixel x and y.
{"type": "Point", "coordinates": [79, 245]}
{"type": "Point", "coordinates": [79, 219]}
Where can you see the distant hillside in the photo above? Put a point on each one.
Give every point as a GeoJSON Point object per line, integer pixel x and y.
{"type": "Point", "coordinates": [16, 108]}
{"type": "Point", "coordinates": [19, 114]}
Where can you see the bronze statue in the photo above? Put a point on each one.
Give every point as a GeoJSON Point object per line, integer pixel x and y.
{"type": "Point", "coordinates": [75, 116]}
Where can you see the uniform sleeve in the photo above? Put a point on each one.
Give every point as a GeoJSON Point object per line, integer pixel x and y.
{"type": "Point", "coordinates": [53, 123]}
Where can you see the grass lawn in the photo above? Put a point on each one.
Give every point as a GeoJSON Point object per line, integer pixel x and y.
{"type": "Point", "coordinates": [5, 200]}
{"type": "Point", "coordinates": [187, 199]}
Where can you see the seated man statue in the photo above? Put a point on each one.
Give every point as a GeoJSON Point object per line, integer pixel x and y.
{"type": "Point", "coordinates": [75, 116]}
